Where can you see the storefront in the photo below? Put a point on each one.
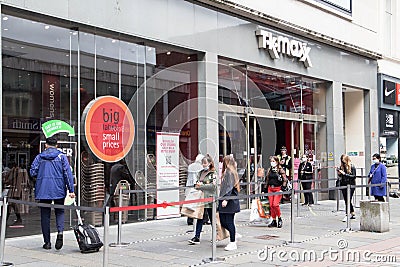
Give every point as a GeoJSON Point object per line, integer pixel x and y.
{"type": "Point", "coordinates": [223, 84]}
{"type": "Point", "coordinates": [389, 107]}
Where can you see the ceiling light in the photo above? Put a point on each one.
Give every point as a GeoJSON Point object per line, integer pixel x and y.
{"type": "Point", "coordinates": [5, 18]}
{"type": "Point", "coordinates": [47, 27]}
{"type": "Point", "coordinates": [169, 53]}
{"type": "Point", "coordinates": [6, 29]}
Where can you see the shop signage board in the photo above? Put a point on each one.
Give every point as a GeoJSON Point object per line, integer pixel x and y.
{"type": "Point", "coordinates": [389, 94]}
{"type": "Point", "coordinates": [389, 125]}
{"type": "Point", "coordinates": [109, 128]}
{"type": "Point", "coordinates": [53, 127]}
{"type": "Point", "coordinates": [51, 96]}
{"type": "Point", "coordinates": [167, 173]}
{"type": "Point", "coordinates": [277, 45]}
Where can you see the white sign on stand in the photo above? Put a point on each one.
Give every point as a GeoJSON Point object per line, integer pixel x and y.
{"type": "Point", "coordinates": [167, 173]}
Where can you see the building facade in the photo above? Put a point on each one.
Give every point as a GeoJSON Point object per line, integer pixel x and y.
{"type": "Point", "coordinates": [229, 77]}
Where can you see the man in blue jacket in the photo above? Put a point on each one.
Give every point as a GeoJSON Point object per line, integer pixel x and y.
{"type": "Point", "coordinates": [54, 177]}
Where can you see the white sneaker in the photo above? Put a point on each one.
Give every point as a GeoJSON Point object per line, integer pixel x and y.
{"type": "Point", "coordinates": [238, 236]}
{"type": "Point", "coordinates": [231, 246]}
{"type": "Point", "coordinates": [344, 219]}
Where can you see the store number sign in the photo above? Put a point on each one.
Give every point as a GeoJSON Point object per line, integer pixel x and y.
{"type": "Point", "coordinates": [109, 128]}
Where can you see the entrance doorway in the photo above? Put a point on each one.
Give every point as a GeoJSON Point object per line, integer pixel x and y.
{"type": "Point", "coordinates": [253, 138]}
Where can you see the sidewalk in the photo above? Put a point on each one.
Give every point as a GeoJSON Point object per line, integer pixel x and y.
{"type": "Point", "coordinates": [164, 243]}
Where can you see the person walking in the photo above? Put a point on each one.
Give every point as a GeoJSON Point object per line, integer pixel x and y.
{"type": "Point", "coordinates": [378, 175]}
{"type": "Point", "coordinates": [53, 177]}
{"type": "Point", "coordinates": [227, 208]}
{"type": "Point", "coordinates": [305, 174]}
{"type": "Point", "coordinates": [193, 170]}
{"type": "Point", "coordinates": [206, 182]}
{"type": "Point", "coordinates": [276, 181]}
{"type": "Point", "coordinates": [347, 176]}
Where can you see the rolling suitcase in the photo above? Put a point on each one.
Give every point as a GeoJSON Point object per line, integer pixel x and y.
{"type": "Point", "coordinates": [87, 236]}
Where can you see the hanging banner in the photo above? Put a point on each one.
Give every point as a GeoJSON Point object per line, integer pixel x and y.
{"type": "Point", "coordinates": [51, 96]}
{"type": "Point", "coordinates": [167, 173]}
{"type": "Point", "coordinates": [109, 128]}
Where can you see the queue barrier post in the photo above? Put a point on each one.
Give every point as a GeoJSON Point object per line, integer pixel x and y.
{"type": "Point", "coordinates": [297, 200]}
{"type": "Point", "coordinates": [292, 218]}
{"type": "Point", "coordinates": [3, 233]}
{"type": "Point", "coordinates": [213, 258]}
{"type": "Point", "coordinates": [119, 229]}
{"type": "Point", "coordinates": [388, 196]}
{"type": "Point", "coordinates": [106, 230]}
{"type": "Point", "coordinates": [337, 198]}
{"type": "Point", "coordinates": [348, 207]}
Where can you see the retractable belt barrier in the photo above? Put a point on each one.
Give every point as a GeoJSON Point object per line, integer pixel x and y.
{"type": "Point", "coordinates": [107, 210]}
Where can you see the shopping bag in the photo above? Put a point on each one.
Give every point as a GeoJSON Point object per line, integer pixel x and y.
{"type": "Point", "coordinates": [193, 194]}
{"type": "Point", "coordinates": [263, 208]}
{"type": "Point", "coordinates": [254, 215]}
{"type": "Point", "coordinates": [195, 214]}
{"type": "Point", "coordinates": [222, 233]}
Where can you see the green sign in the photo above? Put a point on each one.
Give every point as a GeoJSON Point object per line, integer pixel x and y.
{"type": "Point", "coordinates": [53, 127]}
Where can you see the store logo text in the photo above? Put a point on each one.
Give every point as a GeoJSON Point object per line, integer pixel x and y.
{"type": "Point", "coordinates": [280, 44]}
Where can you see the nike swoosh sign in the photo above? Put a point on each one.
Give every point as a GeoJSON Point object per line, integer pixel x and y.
{"type": "Point", "coordinates": [388, 93]}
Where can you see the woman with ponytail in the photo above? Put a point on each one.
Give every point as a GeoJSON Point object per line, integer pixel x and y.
{"type": "Point", "coordinates": [228, 207]}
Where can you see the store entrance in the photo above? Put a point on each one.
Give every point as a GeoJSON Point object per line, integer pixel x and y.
{"type": "Point", "coordinates": [253, 138]}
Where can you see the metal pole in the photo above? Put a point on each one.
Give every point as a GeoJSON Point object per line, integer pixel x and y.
{"type": "Point", "coordinates": [362, 183]}
{"type": "Point", "coordinates": [297, 198]}
{"type": "Point", "coordinates": [119, 233]}
{"type": "Point", "coordinates": [214, 229]}
{"type": "Point", "coordinates": [316, 186]}
{"type": "Point", "coordinates": [348, 207]}
{"type": "Point", "coordinates": [106, 229]}
{"type": "Point", "coordinates": [292, 218]}
{"type": "Point", "coordinates": [337, 198]}
{"type": "Point", "coordinates": [387, 196]}
{"type": "Point", "coordinates": [213, 258]}
{"type": "Point", "coordinates": [3, 233]}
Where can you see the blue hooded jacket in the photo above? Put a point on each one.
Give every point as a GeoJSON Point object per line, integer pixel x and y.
{"type": "Point", "coordinates": [53, 174]}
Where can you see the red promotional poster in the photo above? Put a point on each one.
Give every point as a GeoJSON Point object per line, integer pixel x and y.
{"type": "Point", "coordinates": [398, 94]}
{"type": "Point", "coordinates": [50, 96]}
{"type": "Point", "coordinates": [109, 128]}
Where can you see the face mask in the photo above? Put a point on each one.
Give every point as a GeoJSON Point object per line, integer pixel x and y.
{"type": "Point", "coordinates": [376, 161]}
{"type": "Point", "coordinates": [273, 164]}
{"type": "Point", "coordinates": [205, 168]}
{"type": "Point", "coordinates": [303, 159]}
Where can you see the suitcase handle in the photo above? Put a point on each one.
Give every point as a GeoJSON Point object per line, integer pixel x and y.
{"type": "Point", "coordinates": [78, 213]}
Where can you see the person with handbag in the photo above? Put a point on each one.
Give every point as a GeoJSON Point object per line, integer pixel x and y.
{"type": "Point", "coordinates": [227, 208]}
{"type": "Point", "coordinates": [305, 174]}
{"type": "Point", "coordinates": [276, 181]}
{"type": "Point", "coordinates": [206, 182]}
{"type": "Point", "coordinates": [347, 176]}
{"type": "Point", "coordinates": [378, 175]}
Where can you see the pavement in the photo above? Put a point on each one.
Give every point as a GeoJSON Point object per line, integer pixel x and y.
{"type": "Point", "coordinates": [320, 239]}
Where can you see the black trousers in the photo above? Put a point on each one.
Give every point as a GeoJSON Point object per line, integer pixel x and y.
{"type": "Point", "coordinates": [228, 222]}
{"type": "Point", "coordinates": [379, 198]}
{"type": "Point", "coordinates": [308, 197]}
{"type": "Point", "coordinates": [344, 193]}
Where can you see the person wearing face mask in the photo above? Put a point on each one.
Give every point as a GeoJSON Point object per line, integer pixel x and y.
{"type": "Point", "coordinates": [378, 175]}
{"type": "Point", "coordinates": [276, 181]}
{"type": "Point", "coordinates": [305, 173]}
{"type": "Point", "coordinates": [347, 176]}
{"type": "Point", "coordinates": [206, 182]}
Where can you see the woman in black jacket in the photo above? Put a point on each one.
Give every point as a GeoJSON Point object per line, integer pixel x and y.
{"type": "Point", "coordinates": [347, 175]}
{"type": "Point", "coordinates": [305, 173]}
{"type": "Point", "coordinates": [227, 208]}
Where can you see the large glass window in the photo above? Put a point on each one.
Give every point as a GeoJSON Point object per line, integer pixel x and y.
{"type": "Point", "coordinates": [47, 69]}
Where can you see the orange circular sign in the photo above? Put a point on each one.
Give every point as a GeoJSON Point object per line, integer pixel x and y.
{"type": "Point", "coordinates": [109, 128]}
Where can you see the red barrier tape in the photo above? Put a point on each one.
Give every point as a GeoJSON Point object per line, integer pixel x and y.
{"type": "Point", "coordinates": [160, 205]}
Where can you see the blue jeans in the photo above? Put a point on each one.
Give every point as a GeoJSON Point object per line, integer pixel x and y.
{"type": "Point", "coordinates": [45, 214]}
{"type": "Point", "coordinates": [228, 222]}
{"type": "Point", "coordinates": [199, 225]}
